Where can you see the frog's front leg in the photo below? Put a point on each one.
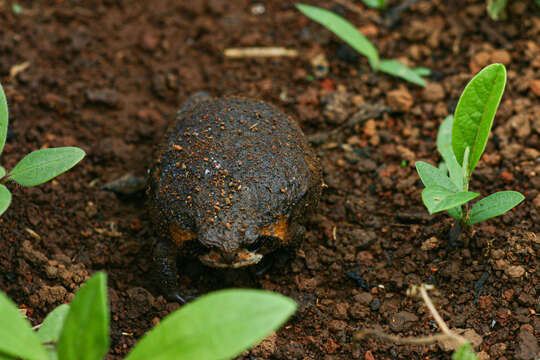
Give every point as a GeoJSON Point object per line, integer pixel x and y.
{"type": "Point", "coordinates": [164, 256]}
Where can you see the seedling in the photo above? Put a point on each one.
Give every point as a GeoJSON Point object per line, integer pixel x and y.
{"type": "Point", "coordinates": [35, 168]}
{"type": "Point", "coordinates": [496, 9]}
{"type": "Point", "coordinates": [17, 9]}
{"type": "Point", "coordinates": [376, 4]}
{"type": "Point", "coordinates": [216, 326]}
{"type": "Point", "coordinates": [348, 33]}
{"type": "Point", "coordinates": [461, 140]}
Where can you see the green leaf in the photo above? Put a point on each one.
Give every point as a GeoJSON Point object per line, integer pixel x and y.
{"type": "Point", "coordinates": [444, 145]}
{"type": "Point", "coordinates": [422, 71]}
{"type": "Point", "coordinates": [456, 213]}
{"type": "Point", "coordinates": [475, 112]}
{"type": "Point", "coordinates": [376, 4]}
{"type": "Point", "coordinates": [5, 198]}
{"type": "Point", "coordinates": [2, 172]}
{"type": "Point", "coordinates": [437, 198]}
{"type": "Point", "coordinates": [465, 352]}
{"type": "Point", "coordinates": [494, 205]}
{"type": "Point", "coordinates": [85, 335]}
{"type": "Point", "coordinates": [52, 325]}
{"type": "Point", "coordinates": [3, 118]}
{"type": "Point", "coordinates": [219, 325]}
{"type": "Point", "coordinates": [443, 168]}
{"type": "Point", "coordinates": [344, 30]}
{"type": "Point", "coordinates": [42, 165]}
{"type": "Point", "coordinates": [495, 8]}
{"type": "Point", "coordinates": [432, 176]}
{"type": "Point", "coordinates": [17, 9]}
{"type": "Point", "coordinates": [17, 339]}
{"type": "Point", "coordinates": [50, 329]}
{"type": "Point", "coordinates": [397, 69]}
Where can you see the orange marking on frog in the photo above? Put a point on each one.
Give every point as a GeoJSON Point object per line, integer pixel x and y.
{"type": "Point", "coordinates": [179, 235]}
{"type": "Point", "coordinates": [278, 229]}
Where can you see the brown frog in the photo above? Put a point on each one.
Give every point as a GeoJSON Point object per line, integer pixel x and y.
{"type": "Point", "coordinates": [232, 181]}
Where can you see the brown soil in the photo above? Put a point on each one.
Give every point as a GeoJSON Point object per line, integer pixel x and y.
{"type": "Point", "coordinates": [108, 76]}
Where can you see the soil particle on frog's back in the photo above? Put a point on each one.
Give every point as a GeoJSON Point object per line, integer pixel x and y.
{"type": "Point", "coordinates": [227, 168]}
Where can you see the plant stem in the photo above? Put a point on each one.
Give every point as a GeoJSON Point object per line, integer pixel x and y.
{"type": "Point", "coordinates": [464, 215]}
{"type": "Point", "coordinates": [465, 207]}
{"type": "Point", "coordinates": [401, 340]}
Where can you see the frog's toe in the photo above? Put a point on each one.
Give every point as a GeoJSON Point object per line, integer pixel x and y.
{"type": "Point", "coordinates": [176, 297]}
{"type": "Point", "coordinates": [181, 299]}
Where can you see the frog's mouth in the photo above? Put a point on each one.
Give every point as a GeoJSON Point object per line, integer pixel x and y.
{"type": "Point", "coordinates": [237, 260]}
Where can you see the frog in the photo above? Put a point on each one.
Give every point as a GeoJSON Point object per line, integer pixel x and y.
{"type": "Point", "coordinates": [232, 181]}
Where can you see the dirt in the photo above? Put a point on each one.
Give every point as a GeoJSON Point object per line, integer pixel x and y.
{"type": "Point", "coordinates": [108, 76]}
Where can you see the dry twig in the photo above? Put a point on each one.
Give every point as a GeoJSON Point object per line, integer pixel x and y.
{"type": "Point", "coordinates": [260, 52]}
{"type": "Point", "coordinates": [446, 334]}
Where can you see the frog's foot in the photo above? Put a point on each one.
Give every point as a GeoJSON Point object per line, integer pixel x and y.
{"type": "Point", "coordinates": [264, 266]}
{"type": "Point", "coordinates": [184, 299]}
{"type": "Point", "coordinates": [127, 185]}
{"type": "Point", "coordinates": [273, 261]}
{"type": "Point", "coordinates": [165, 262]}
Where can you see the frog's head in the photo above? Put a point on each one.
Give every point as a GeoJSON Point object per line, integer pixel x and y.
{"type": "Point", "coordinates": [233, 246]}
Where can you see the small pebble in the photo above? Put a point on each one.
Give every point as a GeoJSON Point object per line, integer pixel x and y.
{"type": "Point", "coordinates": [400, 100]}
{"type": "Point", "coordinates": [535, 87]}
{"type": "Point", "coordinates": [430, 244]}
{"type": "Point", "coordinates": [527, 348]}
{"type": "Point", "coordinates": [375, 305]}
{"type": "Point", "coordinates": [515, 271]}
{"type": "Point", "coordinates": [402, 320]}
{"type": "Point", "coordinates": [364, 298]}
{"type": "Point", "coordinates": [479, 61]}
{"type": "Point", "coordinates": [337, 325]}
{"type": "Point", "coordinates": [433, 92]}
{"type": "Point", "coordinates": [258, 9]}
{"type": "Point", "coordinates": [501, 56]}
